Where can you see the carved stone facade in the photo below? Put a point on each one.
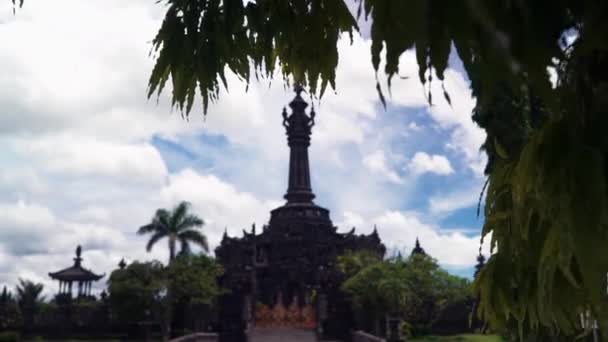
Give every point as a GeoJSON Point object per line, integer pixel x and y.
{"type": "Point", "coordinates": [285, 275]}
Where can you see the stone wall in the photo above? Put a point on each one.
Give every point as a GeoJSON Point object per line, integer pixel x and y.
{"type": "Point", "coordinates": [360, 336]}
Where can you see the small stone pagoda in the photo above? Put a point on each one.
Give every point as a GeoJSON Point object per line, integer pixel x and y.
{"type": "Point", "coordinates": [418, 249]}
{"type": "Point", "coordinates": [285, 275]}
{"type": "Point", "coordinates": [76, 274]}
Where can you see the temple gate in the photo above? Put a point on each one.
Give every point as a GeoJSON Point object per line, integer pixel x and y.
{"type": "Point", "coordinates": [285, 275]}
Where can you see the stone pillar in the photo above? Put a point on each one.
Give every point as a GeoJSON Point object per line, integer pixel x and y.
{"type": "Point", "coordinates": [298, 126]}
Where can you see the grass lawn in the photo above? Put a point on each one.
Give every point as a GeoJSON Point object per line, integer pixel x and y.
{"type": "Point", "coordinates": [459, 338]}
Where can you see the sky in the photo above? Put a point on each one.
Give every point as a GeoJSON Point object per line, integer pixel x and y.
{"type": "Point", "coordinates": [87, 158]}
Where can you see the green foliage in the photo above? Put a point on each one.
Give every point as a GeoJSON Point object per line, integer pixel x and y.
{"type": "Point", "coordinates": [450, 288]}
{"type": "Point", "coordinates": [351, 263]}
{"type": "Point", "coordinates": [405, 329]}
{"type": "Point", "coordinates": [546, 208]}
{"type": "Point", "coordinates": [415, 289]}
{"type": "Point", "coordinates": [194, 279]}
{"type": "Point", "coordinates": [136, 291]}
{"type": "Point", "coordinates": [10, 315]}
{"type": "Point", "coordinates": [6, 295]}
{"type": "Point", "coordinates": [29, 299]}
{"type": "Point", "coordinates": [150, 291]}
{"type": "Point", "coordinates": [178, 226]}
{"type": "Point", "coordinates": [29, 293]}
{"type": "Point", "coordinates": [509, 118]}
{"type": "Point", "coordinates": [380, 287]}
{"type": "Point", "coordinates": [10, 336]}
{"type": "Point", "coordinates": [198, 41]}
{"type": "Point", "coordinates": [546, 203]}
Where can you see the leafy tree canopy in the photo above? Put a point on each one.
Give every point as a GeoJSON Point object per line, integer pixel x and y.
{"type": "Point", "coordinates": [415, 289]}
{"type": "Point", "coordinates": [194, 278]}
{"type": "Point", "coordinates": [147, 290]}
{"type": "Point", "coordinates": [10, 316]}
{"type": "Point", "coordinates": [29, 293]}
{"type": "Point", "coordinates": [497, 40]}
{"type": "Point", "coordinates": [547, 198]}
{"type": "Point", "coordinates": [136, 291]}
{"type": "Point", "coordinates": [351, 263]}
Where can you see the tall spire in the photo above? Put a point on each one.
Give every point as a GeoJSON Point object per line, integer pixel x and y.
{"type": "Point", "coordinates": [418, 249]}
{"type": "Point", "coordinates": [78, 258]}
{"type": "Point", "coordinates": [298, 126]}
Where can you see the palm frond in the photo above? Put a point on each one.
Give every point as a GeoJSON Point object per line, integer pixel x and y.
{"type": "Point", "coordinates": [148, 228]}
{"type": "Point", "coordinates": [162, 216]}
{"type": "Point", "coordinates": [28, 291]}
{"type": "Point", "coordinates": [189, 221]}
{"type": "Point", "coordinates": [184, 247]}
{"type": "Point", "coordinates": [160, 222]}
{"type": "Point", "coordinates": [178, 214]}
{"type": "Point", "coordinates": [195, 237]}
{"type": "Point", "coordinates": [154, 239]}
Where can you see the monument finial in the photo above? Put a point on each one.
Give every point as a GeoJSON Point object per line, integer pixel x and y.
{"type": "Point", "coordinates": [78, 259]}
{"type": "Point", "coordinates": [299, 128]}
{"type": "Point", "coordinates": [298, 88]}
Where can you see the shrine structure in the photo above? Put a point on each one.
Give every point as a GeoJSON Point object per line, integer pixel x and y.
{"type": "Point", "coordinates": [285, 275]}
{"type": "Point", "coordinates": [75, 274]}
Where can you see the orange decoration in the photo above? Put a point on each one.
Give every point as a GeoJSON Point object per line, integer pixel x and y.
{"type": "Point", "coordinates": [278, 316]}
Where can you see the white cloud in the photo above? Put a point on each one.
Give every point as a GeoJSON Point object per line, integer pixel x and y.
{"type": "Point", "coordinates": [414, 126]}
{"type": "Point", "coordinates": [376, 162]}
{"type": "Point", "coordinates": [424, 163]}
{"type": "Point", "coordinates": [25, 179]}
{"type": "Point", "coordinates": [80, 165]}
{"type": "Point", "coordinates": [399, 230]}
{"type": "Point", "coordinates": [85, 156]}
{"type": "Point", "coordinates": [352, 219]}
{"type": "Point", "coordinates": [219, 203]}
{"type": "Point", "coordinates": [465, 136]}
{"type": "Point", "coordinates": [25, 224]}
{"type": "Point", "coordinates": [458, 199]}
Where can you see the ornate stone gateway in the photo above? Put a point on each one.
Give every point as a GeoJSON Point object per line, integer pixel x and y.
{"type": "Point", "coordinates": [285, 275]}
{"type": "Point", "coordinates": [294, 315]}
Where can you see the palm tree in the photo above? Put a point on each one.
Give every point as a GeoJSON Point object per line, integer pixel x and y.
{"type": "Point", "coordinates": [178, 226]}
{"type": "Point", "coordinates": [29, 298]}
{"type": "Point", "coordinates": [6, 296]}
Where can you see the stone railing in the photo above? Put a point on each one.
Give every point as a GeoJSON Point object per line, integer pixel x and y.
{"type": "Point", "coordinates": [198, 337]}
{"type": "Point", "coordinates": [360, 336]}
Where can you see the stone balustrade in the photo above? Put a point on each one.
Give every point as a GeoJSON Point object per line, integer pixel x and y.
{"type": "Point", "coordinates": [198, 337]}
{"type": "Point", "coordinates": [360, 336]}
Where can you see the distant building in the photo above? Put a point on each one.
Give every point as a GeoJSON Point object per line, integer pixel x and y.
{"type": "Point", "coordinates": [418, 249]}
{"type": "Point", "coordinates": [285, 275]}
{"type": "Point", "coordinates": [76, 274]}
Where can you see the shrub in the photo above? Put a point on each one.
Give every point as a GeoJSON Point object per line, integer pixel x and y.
{"type": "Point", "coordinates": [10, 336]}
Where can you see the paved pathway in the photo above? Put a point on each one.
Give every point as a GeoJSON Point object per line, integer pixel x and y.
{"type": "Point", "coordinates": [282, 335]}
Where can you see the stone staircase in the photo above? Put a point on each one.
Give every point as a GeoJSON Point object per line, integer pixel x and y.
{"type": "Point", "coordinates": [282, 335]}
